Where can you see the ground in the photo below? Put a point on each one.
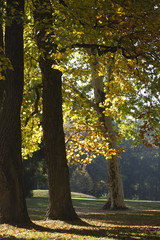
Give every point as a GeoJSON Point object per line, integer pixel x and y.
{"type": "Point", "coordinates": [140, 221]}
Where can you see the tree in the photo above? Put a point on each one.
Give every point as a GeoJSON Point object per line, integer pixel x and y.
{"type": "Point", "coordinates": [81, 181]}
{"type": "Point", "coordinates": [116, 197]}
{"type": "Point", "coordinates": [35, 172]}
{"type": "Point", "coordinates": [91, 178]}
{"type": "Point", "coordinates": [12, 202]}
{"type": "Point", "coordinates": [2, 61]}
{"type": "Point", "coordinates": [113, 30]}
{"type": "Point", "coordinates": [60, 203]}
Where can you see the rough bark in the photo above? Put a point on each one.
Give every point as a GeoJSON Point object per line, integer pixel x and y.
{"type": "Point", "coordinates": [13, 208]}
{"type": "Point", "coordinates": [115, 177]}
{"type": "Point", "coordinates": [2, 93]}
{"type": "Point", "coordinates": [60, 203]}
{"type": "Point", "coordinates": [2, 82]}
{"type": "Point", "coordinates": [116, 198]}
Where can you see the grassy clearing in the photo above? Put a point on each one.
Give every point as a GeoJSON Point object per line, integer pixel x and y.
{"type": "Point", "coordinates": [142, 221]}
{"type": "Point", "coordinates": [44, 193]}
{"type": "Point", "coordinates": [80, 200]}
{"type": "Point", "coordinates": [143, 204]}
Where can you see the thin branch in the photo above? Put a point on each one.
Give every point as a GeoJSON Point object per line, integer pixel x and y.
{"type": "Point", "coordinates": [127, 55]}
{"type": "Point", "coordinates": [100, 48]}
{"type": "Point", "coordinates": [36, 103]}
{"type": "Point", "coordinates": [88, 101]}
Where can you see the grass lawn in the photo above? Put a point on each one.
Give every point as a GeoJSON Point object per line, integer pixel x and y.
{"type": "Point", "coordinates": [141, 221]}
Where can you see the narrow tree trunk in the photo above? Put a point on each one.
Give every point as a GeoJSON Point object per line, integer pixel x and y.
{"type": "Point", "coordinates": [60, 203]}
{"type": "Point", "coordinates": [115, 177]}
{"type": "Point", "coordinates": [2, 82]}
{"type": "Point", "coordinates": [12, 201]}
{"type": "Point", "coordinates": [116, 198]}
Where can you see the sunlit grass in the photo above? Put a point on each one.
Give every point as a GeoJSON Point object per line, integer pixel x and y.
{"type": "Point", "coordinates": [44, 193]}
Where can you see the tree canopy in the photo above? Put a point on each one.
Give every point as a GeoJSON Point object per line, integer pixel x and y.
{"type": "Point", "coordinates": [127, 46]}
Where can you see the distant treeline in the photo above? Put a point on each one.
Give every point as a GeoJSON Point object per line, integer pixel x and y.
{"type": "Point", "coordinates": [140, 170]}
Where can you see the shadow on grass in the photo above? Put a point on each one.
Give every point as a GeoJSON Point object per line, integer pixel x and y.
{"type": "Point", "coordinates": [88, 203]}
{"type": "Point", "coordinates": [117, 232]}
{"type": "Point", "coordinates": [85, 230]}
{"type": "Point", "coordinates": [132, 218]}
{"type": "Point", "coordinates": [118, 225]}
{"type": "Point", "coordinates": [10, 237]}
{"type": "Point", "coordinates": [38, 202]}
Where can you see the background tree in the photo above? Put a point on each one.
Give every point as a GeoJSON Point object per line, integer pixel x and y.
{"type": "Point", "coordinates": [123, 38]}
{"type": "Point", "coordinates": [81, 180]}
{"type": "Point", "coordinates": [140, 172]}
{"type": "Point", "coordinates": [35, 172]}
{"type": "Point", "coordinates": [140, 169]}
{"type": "Point", "coordinates": [116, 198]}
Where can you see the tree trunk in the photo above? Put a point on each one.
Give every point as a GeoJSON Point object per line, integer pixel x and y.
{"type": "Point", "coordinates": [60, 203]}
{"type": "Point", "coordinates": [2, 81]}
{"type": "Point", "coordinates": [115, 177]}
{"type": "Point", "coordinates": [116, 198]}
{"type": "Point", "coordinates": [13, 208]}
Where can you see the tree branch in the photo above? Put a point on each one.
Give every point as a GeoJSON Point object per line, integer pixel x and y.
{"type": "Point", "coordinates": [62, 2]}
{"type": "Point", "coordinates": [100, 48]}
{"type": "Point", "coordinates": [83, 96]}
{"type": "Point", "coordinates": [36, 103]}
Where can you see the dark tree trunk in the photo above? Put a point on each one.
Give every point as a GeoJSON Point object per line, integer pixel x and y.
{"type": "Point", "coordinates": [60, 203]}
{"type": "Point", "coordinates": [12, 201]}
{"type": "Point", "coordinates": [2, 82]}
